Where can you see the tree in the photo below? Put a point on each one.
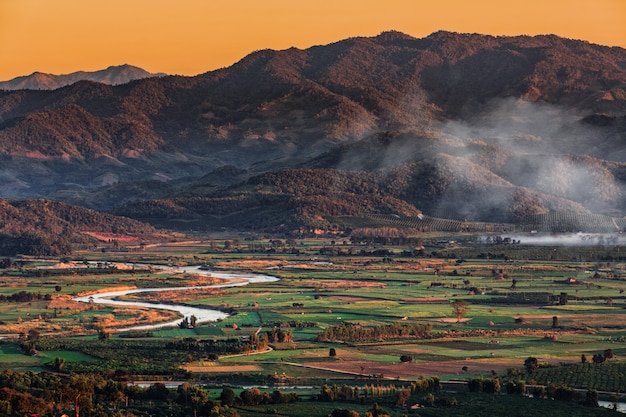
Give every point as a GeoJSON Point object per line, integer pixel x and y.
{"type": "Point", "coordinates": [598, 358]}
{"type": "Point", "coordinates": [78, 391]}
{"type": "Point", "coordinates": [227, 397]}
{"type": "Point", "coordinates": [531, 364]}
{"type": "Point", "coordinates": [6, 263]}
{"type": "Point", "coordinates": [58, 288]}
{"type": "Point", "coordinates": [252, 396]}
{"type": "Point", "coordinates": [59, 363]}
{"type": "Point", "coordinates": [332, 352]}
{"type": "Point", "coordinates": [459, 308]}
{"type": "Point", "coordinates": [103, 334]}
{"type": "Point", "coordinates": [184, 324]}
{"type": "Point", "coordinates": [158, 391]}
{"type": "Point", "coordinates": [555, 322]}
{"type": "Point", "coordinates": [591, 398]}
{"type": "Point", "coordinates": [376, 411]}
{"type": "Point", "coordinates": [343, 412]}
{"type": "Point", "coordinates": [192, 395]}
{"type": "Point", "coordinates": [33, 335]}
{"type": "Point", "coordinates": [403, 396]}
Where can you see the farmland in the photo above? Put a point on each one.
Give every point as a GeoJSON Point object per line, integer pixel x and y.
{"type": "Point", "coordinates": [369, 314]}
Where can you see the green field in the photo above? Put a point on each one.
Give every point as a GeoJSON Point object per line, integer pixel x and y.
{"type": "Point", "coordinates": [554, 310]}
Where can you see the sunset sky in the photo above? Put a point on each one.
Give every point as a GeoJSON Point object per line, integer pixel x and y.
{"type": "Point", "coordinates": [194, 36]}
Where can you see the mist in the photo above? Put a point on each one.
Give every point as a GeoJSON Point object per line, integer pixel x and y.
{"type": "Point", "coordinates": [546, 150]}
{"type": "Point", "coordinates": [507, 159]}
{"type": "Point", "coordinates": [570, 239]}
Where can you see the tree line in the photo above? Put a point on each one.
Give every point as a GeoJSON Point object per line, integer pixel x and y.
{"type": "Point", "coordinates": [95, 395]}
{"type": "Point", "coordinates": [24, 297]}
{"type": "Point", "coordinates": [348, 332]}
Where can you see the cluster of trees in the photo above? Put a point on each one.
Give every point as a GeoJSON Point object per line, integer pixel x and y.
{"type": "Point", "coordinates": [345, 392]}
{"type": "Point", "coordinates": [565, 393]}
{"type": "Point", "coordinates": [295, 324]}
{"type": "Point", "coordinates": [555, 392]}
{"type": "Point", "coordinates": [374, 411]}
{"type": "Point", "coordinates": [348, 332]}
{"type": "Point", "coordinates": [97, 396]}
{"type": "Point", "coordinates": [188, 322]}
{"type": "Point", "coordinates": [24, 297]}
{"type": "Point", "coordinates": [489, 386]}
{"type": "Point", "coordinates": [430, 384]}
{"type": "Point", "coordinates": [536, 298]}
{"type": "Point", "coordinates": [217, 346]}
{"type": "Point", "coordinates": [599, 357]}
{"type": "Point", "coordinates": [601, 375]}
{"type": "Point", "coordinates": [401, 395]}
{"type": "Point", "coordinates": [254, 396]}
{"type": "Point", "coordinates": [278, 335]}
{"type": "Point", "coordinates": [351, 251]}
{"type": "Point", "coordinates": [195, 399]}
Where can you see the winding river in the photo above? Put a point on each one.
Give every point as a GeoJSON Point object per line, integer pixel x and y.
{"type": "Point", "coordinates": [202, 314]}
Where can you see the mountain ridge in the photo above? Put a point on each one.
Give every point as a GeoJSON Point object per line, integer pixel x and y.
{"type": "Point", "coordinates": [495, 106]}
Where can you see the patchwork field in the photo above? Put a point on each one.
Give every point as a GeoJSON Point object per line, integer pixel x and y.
{"type": "Point", "coordinates": [328, 319]}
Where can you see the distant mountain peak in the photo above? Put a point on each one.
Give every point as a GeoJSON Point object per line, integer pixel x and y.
{"type": "Point", "coordinates": [113, 75]}
{"type": "Point", "coordinates": [394, 35]}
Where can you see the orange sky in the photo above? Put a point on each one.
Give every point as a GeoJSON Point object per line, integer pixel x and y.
{"type": "Point", "coordinates": [193, 36]}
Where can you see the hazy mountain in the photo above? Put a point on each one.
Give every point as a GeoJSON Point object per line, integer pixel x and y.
{"type": "Point", "coordinates": [113, 75]}
{"type": "Point", "coordinates": [469, 180]}
{"type": "Point", "coordinates": [480, 127]}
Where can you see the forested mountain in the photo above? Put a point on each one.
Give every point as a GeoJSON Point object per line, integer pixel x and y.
{"type": "Point", "coordinates": [472, 181]}
{"type": "Point", "coordinates": [461, 125]}
{"type": "Point", "coordinates": [43, 227]}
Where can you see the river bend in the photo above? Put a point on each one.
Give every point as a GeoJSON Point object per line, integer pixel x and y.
{"type": "Point", "coordinates": [202, 314]}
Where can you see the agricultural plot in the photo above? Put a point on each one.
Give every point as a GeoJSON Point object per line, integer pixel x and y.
{"type": "Point", "coordinates": [555, 311]}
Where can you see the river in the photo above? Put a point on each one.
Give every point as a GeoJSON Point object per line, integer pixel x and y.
{"type": "Point", "coordinates": [202, 314]}
{"type": "Point", "coordinates": [621, 407]}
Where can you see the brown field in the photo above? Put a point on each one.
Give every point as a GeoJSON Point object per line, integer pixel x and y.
{"type": "Point", "coordinates": [455, 320]}
{"type": "Point", "coordinates": [418, 369]}
{"type": "Point", "coordinates": [249, 264]}
{"type": "Point", "coordinates": [175, 296]}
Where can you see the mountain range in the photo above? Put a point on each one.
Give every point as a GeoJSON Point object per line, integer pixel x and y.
{"type": "Point", "coordinates": [462, 126]}
{"type": "Point", "coordinates": [113, 75]}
